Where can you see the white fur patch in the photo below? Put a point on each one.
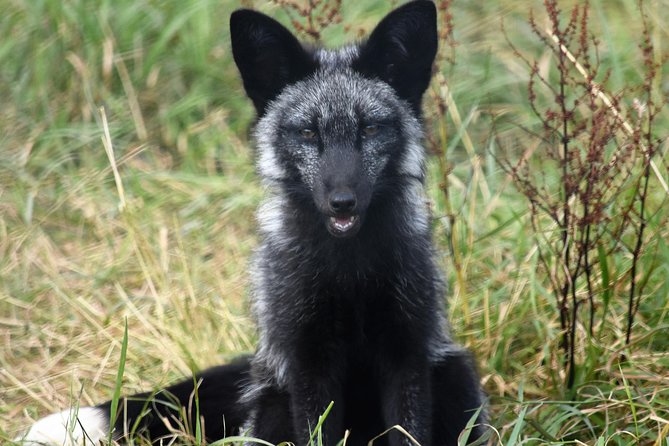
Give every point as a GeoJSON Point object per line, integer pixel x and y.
{"type": "Point", "coordinates": [414, 160]}
{"type": "Point", "coordinates": [268, 165]}
{"type": "Point", "coordinates": [87, 425]}
{"type": "Point", "coordinates": [270, 217]}
{"type": "Point", "coordinates": [269, 168]}
{"type": "Point", "coordinates": [418, 221]}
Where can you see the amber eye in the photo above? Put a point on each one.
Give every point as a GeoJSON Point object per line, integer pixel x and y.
{"type": "Point", "coordinates": [370, 130]}
{"type": "Point", "coordinates": [308, 133]}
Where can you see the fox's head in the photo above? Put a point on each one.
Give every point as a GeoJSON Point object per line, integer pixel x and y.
{"type": "Point", "coordinates": [334, 125]}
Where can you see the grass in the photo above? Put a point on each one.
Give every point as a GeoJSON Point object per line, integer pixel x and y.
{"type": "Point", "coordinates": [168, 254]}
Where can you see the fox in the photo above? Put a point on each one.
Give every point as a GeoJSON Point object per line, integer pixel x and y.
{"type": "Point", "coordinates": [346, 290]}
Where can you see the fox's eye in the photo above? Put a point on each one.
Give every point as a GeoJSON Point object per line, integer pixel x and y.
{"type": "Point", "coordinates": [370, 130]}
{"type": "Point", "coordinates": [308, 133]}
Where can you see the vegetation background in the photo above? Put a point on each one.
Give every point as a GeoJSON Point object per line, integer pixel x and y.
{"type": "Point", "coordinates": [160, 233]}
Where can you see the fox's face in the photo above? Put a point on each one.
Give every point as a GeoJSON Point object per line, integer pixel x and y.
{"type": "Point", "coordinates": [335, 125]}
{"type": "Point", "coordinates": [336, 135]}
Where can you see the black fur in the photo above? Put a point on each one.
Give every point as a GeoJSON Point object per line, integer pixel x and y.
{"type": "Point", "coordinates": [160, 414]}
{"type": "Point", "coordinates": [401, 50]}
{"type": "Point", "coordinates": [269, 54]}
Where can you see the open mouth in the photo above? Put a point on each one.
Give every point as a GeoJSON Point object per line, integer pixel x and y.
{"type": "Point", "coordinates": [343, 226]}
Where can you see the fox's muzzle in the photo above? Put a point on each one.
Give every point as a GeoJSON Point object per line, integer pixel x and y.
{"type": "Point", "coordinates": [344, 221]}
{"type": "Point", "coordinates": [342, 201]}
{"type": "Point", "coordinates": [343, 194]}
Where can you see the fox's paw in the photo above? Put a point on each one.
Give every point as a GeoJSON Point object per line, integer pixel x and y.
{"type": "Point", "coordinates": [74, 427]}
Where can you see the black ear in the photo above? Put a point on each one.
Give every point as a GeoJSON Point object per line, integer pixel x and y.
{"type": "Point", "coordinates": [268, 56]}
{"type": "Point", "coordinates": [401, 50]}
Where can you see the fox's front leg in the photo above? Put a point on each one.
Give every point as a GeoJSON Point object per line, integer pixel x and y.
{"type": "Point", "coordinates": [309, 403]}
{"type": "Point", "coordinates": [406, 401]}
{"type": "Point", "coordinates": [312, 387]}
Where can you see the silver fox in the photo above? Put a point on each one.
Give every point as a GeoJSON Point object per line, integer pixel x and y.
{"type": "Point", "coordinates": [345, 288]}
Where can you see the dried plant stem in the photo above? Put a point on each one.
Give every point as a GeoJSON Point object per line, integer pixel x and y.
{"type": "Point", "coordinates": [633, 304]}
{"type": "Point", "coordinates": [109, 149]}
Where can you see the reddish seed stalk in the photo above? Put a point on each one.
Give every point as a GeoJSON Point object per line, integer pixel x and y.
{"type": "Point", "coordinates": [587, 139]}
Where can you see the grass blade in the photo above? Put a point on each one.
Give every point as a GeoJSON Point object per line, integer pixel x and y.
{"type": "Point", "coordinates": [113, 413]}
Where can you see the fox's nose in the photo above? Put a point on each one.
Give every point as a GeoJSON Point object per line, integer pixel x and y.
{"type": "Point", "coordinates": [342, 202]}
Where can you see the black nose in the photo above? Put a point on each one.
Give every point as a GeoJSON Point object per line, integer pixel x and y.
{"type": "Point", "coordinates": [342, 202]}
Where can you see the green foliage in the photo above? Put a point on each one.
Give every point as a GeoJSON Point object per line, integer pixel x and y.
{"type": "Point", "coordinates": [74, 265]}
{"type": "Point", "coordinates": [116, 397]}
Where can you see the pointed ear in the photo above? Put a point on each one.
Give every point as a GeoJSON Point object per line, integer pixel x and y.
{"type": "Point", "coordinates": [401, 50]}
{"type": "Point", "coordinates": [268, 56]}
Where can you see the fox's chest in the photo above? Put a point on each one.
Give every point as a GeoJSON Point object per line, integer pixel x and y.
{"type": "Point", "coordinates": [360, 317]}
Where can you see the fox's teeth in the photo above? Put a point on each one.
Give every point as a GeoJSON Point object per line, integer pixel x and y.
{"type": "Point", "coordinates": [343, 223]}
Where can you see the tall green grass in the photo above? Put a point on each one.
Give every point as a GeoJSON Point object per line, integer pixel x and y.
{"type": "Point", "coordinates": [75, 265]}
